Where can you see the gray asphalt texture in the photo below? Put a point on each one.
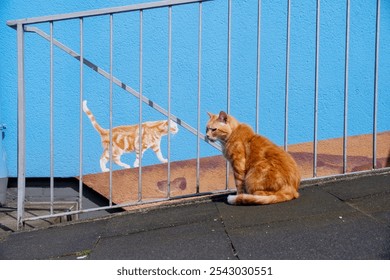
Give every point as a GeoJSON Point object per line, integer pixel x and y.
{"type": "Point", "coordinates": [340, 219]}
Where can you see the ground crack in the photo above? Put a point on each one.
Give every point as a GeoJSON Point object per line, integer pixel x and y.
{"type": "Point", "coordinates": [234, 250]}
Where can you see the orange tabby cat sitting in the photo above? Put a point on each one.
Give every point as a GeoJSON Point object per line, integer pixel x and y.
{"type": "Point", "coordinates": [263, 172]}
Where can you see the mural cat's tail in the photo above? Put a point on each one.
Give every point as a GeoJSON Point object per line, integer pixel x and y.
{"type": "Point", "coordinates": [92, 119]}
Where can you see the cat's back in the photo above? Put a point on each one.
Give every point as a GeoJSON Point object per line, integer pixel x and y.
{"type": "Point", "coordinates": [255, 147]}
{"type": "Point", "coordinates": [268, 155]}
{"type": "Point", "coordinates": [125, 129]}
{"type": "Point", "coordinates": [261, 146]}
{"type": "Point", "coordinates": [242, 133]}
{"type": "Point", "coordinates": [135, 127]}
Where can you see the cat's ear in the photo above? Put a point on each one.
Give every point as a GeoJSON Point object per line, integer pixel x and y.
{"type": "Point", "coordinates": [222, 117]}
{"type": "Point", "coordinates": [210, 115]}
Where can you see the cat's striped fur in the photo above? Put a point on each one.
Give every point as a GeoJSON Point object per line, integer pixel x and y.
{"type": "Point", "coordinates": [264, 173]}
{"type": "Point", "coordinates": [125, 139]}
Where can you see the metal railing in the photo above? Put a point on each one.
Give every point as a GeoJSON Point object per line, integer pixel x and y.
{"type": "Point", "coordinates": [24, 25]}
{"type": "Point", "coordinates": [29, 25]}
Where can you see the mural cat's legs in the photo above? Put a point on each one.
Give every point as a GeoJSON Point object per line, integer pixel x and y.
{"type": "Point", "coordinates": [118, 161]}
{"type": "Point", "coordinates": [136, 162]}
{"type": "Point", "coordinates": [103, 162]}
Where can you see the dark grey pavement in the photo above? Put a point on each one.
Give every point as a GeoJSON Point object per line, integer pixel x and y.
{"type": "Point", "coordinates": [342, 219]}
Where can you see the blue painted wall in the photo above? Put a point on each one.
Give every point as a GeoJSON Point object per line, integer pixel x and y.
{"type": "Point", "coordinates": [184, 74]}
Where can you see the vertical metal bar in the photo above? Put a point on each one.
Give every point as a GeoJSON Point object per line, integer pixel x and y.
{"type": "Point", "coordinates": [345, 132]}
{"type": "Point", "coordinates": [140, 106]}
{"type": "Point", "coordinates": [110, 105]}
{"type": "Point", "coordinates": [287, 76]}
{"type": "Point", "coordinates": [51, 121]}
{"type": "Point", "coordinates": [169, 99]}
{"type": "Point", "coordinates": [228, 75]}
{"type": "Point", "coordinates": [374, 132]}
{"type": "Point", "coordinates": [21, 128]}
{"type": "Point", "coordinates": [81, 113]}
{"type": "Point", "coordinates": [229, 43]}
{"type": "Point", "coordinates": [315, 140]}
{"type": "Point", "coordinates": [258, 65]}
{"type": "Point", "coordinates": [199, 94]}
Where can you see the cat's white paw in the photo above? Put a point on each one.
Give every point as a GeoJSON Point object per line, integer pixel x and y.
{"type": "Point", "coordinates": [231, 199]}
{"type": "Point", "coordinates": [164, 160]}
{"type": "Point", "coordinates": [105, 169]}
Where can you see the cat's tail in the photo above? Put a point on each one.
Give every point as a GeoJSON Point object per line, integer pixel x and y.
{"type": "Point", "coordinates": [252, 199]}
{"type": "Point", "coordinates": [92, 118]}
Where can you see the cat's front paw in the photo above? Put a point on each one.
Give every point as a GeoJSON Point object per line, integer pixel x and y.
{"type": "Point", "coordinates": [231, 199]}
{"type": "Point", "coordinates": [164, 160]}
{"type": "Point", "coordinates": [105, 170]}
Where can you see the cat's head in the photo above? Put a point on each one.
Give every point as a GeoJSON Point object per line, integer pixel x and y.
{"type": "Point", "coordinates": [172, 127]}
{"type": "Point", "coordinates": [219, 127]}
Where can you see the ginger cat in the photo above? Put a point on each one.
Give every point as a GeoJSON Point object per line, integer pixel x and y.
{"type": "Point", "coordinates": [125, 139]}
{"type": "Point", "coordinates": [263, 172]}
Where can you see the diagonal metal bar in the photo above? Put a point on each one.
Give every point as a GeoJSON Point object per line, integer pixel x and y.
{"type": "Point", "coordinates": [119, 83]}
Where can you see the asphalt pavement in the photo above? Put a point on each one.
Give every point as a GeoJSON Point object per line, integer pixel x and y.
{"type": "Point", "coordinates": [346, 218]}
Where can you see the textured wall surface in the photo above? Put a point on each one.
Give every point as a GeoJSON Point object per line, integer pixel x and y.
{"type": "Point", "coordinates": [184, 79]}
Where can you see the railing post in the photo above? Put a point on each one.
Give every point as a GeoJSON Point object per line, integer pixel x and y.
{"type": "Point", "coordinates": [140, 132]}
{"type": "Point", "coordinates": [199, 99]}
{"type": "Point", "coordinates": [51, 120]}
{"type": "Point", "coordinates": [111, 95]}
{"type": "Point", "coordinates": [169, 99]}
{"type": "Point", "coordinates": [375, 113]}
{"type": "Point", "coordinates": [229, 44]}
{"type": "Point", "coordinates": [317, 58]}
{"type": "Point", "coordinates": [346, 82]}
{"type": "Point", "coordinates": [80, 199]}
{"type": "Point", "coordinates": [258, 65]}
{"type": "Point", "coordinates": [21, 128]}
{"type": "Point", "coordinates": [287, 76]}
